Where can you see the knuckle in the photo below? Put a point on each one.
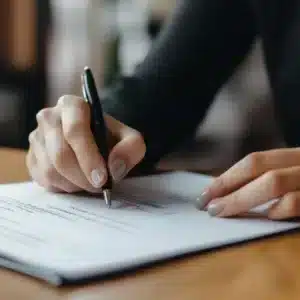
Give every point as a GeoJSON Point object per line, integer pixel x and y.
{"type": "Point", "coordinates": [254, 163]}
{"type": "Point", "coordinates": [73, 130]}
{"type": "Point", "coordinates": [140, 142]}
{"type": "Point", "coordinates": [64, 100]}
{"type": "Point", "coordinates": [276, 182]}
{"type": "Point", "coordinates": [44, 115]}
{"type": "Point", "coordinates": [219, 184]}
{"type": "Point", "coordinates": [139, 137]}
{"type": "Point", "coordinates": [73, 101]}
{"type": "Point", "coordinates": [32, 136]}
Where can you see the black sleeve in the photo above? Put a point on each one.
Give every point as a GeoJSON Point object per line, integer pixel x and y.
{"type": "Point", "coordinates": [279, 27]}
{"type": "Point", "coordinates": [171, 90]}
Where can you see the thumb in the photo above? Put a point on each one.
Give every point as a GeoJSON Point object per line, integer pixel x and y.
{"type": "Point", "coordinates": [127, 152]}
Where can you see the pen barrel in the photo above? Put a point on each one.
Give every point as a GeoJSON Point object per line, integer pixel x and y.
{"type": "Point", "coordinates": [98, 125]}
{"type": "Point", "coordinates": [100, 137]}
{"type": "Point", "coordinates": [99, 130]}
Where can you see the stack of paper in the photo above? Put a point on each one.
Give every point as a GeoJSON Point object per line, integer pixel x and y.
{"type": "Point", "coordinates": [65, 238]}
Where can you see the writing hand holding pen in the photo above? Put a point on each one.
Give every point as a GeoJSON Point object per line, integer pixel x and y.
{"type": "Point", "coordinates": [64, 157]}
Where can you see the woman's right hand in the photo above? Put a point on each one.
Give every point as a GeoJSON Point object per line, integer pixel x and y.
{"type": "Point", "coordinates": [64, 157]}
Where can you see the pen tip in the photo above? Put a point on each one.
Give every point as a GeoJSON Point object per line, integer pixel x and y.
{"type": "Point", "coordinates": [86, 68]}
{"type": "Point", "coordinates": [107, 199]}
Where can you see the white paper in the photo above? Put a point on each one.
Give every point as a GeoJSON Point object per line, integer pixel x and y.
{"type": "Point", "coordinates": [152, 218]}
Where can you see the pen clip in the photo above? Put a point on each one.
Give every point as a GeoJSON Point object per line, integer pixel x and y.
{"type": "Point", "coordinates": [88, 100]}
{"type": "Point", "coordinates": [85, 93]}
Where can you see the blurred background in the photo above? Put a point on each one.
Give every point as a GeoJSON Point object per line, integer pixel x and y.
{"type": "Point", "coordinates": [46, 43]}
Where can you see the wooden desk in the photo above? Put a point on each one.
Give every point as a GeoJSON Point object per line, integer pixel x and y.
{"type": "Point", "coordinates": [268, 269]}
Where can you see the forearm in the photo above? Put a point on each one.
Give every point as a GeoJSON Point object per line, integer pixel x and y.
{"type": "Point", "coordinates": [194, 55]}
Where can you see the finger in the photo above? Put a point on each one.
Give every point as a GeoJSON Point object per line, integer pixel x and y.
{"type": "Point", "coordinates": [61, 155]}
{"type": "Point", "coordinates": [271, 185]}
{"type": "Point", "coordinates": [75, 117]}
{"type": "Point", "coordinates": [31, 163]}
{"type": "Point", "coordinates": [32, 167]}
{"type": "Point", "coordinates": [41, 168]}
{"type": "Point", "coordinates": [287, 207]}
{"type": "Point", "coordinates": [249, 168]}
{"type": "Point", "coordinates": [128, 152]}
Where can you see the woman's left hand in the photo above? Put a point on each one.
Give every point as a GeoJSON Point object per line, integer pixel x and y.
{"type": "Point", "coordinates": [255, 180]}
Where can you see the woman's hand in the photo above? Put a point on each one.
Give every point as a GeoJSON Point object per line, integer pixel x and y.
{"type": "Point", "coordinates": [255, 180]}
{"type": "Point", "coordinates": [63, 155]}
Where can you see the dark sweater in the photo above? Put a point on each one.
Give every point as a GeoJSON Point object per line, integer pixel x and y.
{"type": "Point", "coordinates": [195, 54]}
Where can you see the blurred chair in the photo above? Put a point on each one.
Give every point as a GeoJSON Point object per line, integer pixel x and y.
{"type": "Point", "coordinates": [23, 85]}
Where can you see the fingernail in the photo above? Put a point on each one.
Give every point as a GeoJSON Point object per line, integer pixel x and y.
{"type": "Point", "coordinates": [202, 200]}
{"type": "Point", "coordinates": [118, 169]}
{"type": "Point", "coordinates": [215, 209]}
{"type": "Point", "coordinates": [97, 177]}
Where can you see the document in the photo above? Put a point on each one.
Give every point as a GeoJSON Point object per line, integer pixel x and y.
{"type": "Point", "coordinates": [63, 238]}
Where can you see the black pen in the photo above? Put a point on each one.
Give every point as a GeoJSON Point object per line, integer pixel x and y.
{"type": "Point", "coordinates": [98, 127]}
